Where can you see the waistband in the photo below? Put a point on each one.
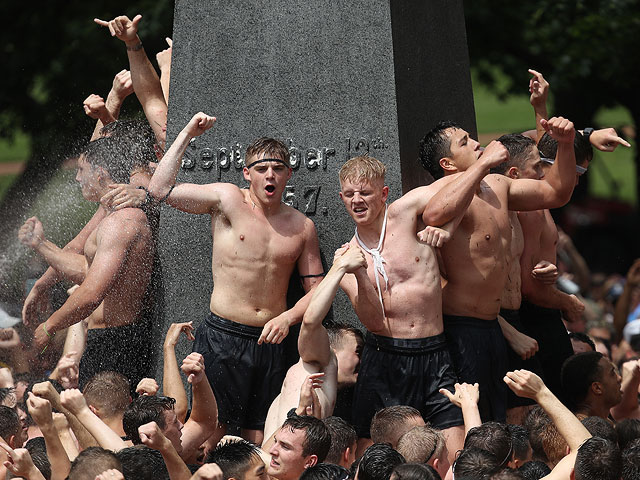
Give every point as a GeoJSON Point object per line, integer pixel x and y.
{"type": "Point", "coordinates": [407, 346]}
{"type": "Point", "coordinates": [232, 328]}
{"type": "Point", "coordinates": [511, 316]}
{"type": "Point", "coordinates": [132, 330]}
{"type": "Point", "coordinates": [469, 322]}
{"type": "Point", "coordinates": [532, 307]}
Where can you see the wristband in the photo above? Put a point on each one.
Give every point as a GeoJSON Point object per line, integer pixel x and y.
{"type": "Point", "coordinates": [44, 327]}
{"type": "Point", "coordinates": [586, 133]}
{"type": "Point", "coordinates": [164, 199]}
{"type": "Point", "coordinates": [135, 48]}
{"type": "Point", "coordinates": [147, 197]}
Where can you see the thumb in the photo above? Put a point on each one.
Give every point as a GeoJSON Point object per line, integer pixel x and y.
{"type": "Point", "coordinates": [136, 20]}
{"type": "Point", "coordinates": [446, 393]}
{"type": "Point", "coordinates": [190, 378]}
{"type": "Point", "coordinates": [169, 41]}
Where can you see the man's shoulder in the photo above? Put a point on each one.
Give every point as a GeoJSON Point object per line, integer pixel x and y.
{"type": "Point", "coordinates": [124, 222]}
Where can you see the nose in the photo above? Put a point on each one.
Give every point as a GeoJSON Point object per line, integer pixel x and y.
{"type": "Point", "coordinates": [476, 144]}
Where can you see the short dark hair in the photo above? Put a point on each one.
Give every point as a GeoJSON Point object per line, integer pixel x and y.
{"type": "Point", "coordinates": [548, 147]}
{"type": "Point", "coordinates": [138, 137]}
{"type": "Point", "coordinates": [475, 462]}
{"type": "Point", "coordinates": [38, 451]}
{"type": "Point", "coordinates": [387, 422]}
{"type": "Point", "coordinates": [269, 146]}
{"type": "Point", "coordinates": [535, 423]}
{"type": "Point", "coordinates": [336, 333]}
{"type": "Point", "coordinates": [631, 461]}
{"type": "Point", "coordinates": [582, 337]}
{"type": "Point", "coordinates": [378, 461]}
{"type": "Point", "coordinates": [627, 430]}
{"type": "Point", "coordinates": [317, 439]}
{"type": "Point", "coordinates": [579, 371]}
{"type": "Point", "coordinates": [143, 410]}
{"type": "Point", "coordinates": [435, 145]}
{"type": "Point", "coordinates": [234, 458]}
{"type": "Point", "coordinates": [414, 471]}
{"type": "Point", "coordinates": [325, 471]}
{"type": "Point", "coordinates": [534, 470]}
{"type": "Point", "coordinates": [518, 147]}
{"type": "Point", "coordinates": [142, 463]}
{"type": "Point", "coordinates": [599, 427]}
{"type": "Point", "coordinates": [343, 436]}
{"type": "Point", "coordinates": [494, 437]}
{"type": "Point", "coordinates": [506, 474]}
{"type": "Point", "coordinates": [598, 459]}
{"type": "Point", "coordinates": [110, 154]}
{"type": "Point", "coordinates": [9, 422]}
{"type": "Point", "coordinates": [109, 391]}
{"type": "Point", "coordinates": [91, 462]}
{"type": "Point", "coordinates": [520, 441]}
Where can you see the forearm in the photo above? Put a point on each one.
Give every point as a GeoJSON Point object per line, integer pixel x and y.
{"type": "Point", "coordinates": [621, 311]}
{"type": "Point", "coordinates": [544, 295]}
{"type": "Point", "coordinates": [165, 175]}
{"type": "Point", "coordinates": [113, 105]}
{"type": "Point", "coordinates": [74, 310]}
{"type": "Point", "coordinates": [561, 176]}
{"type": "Point", "coordinates": [566, 422]}
{"type": "Point", "coordinates": [47, 280]}
{"type": "Point", "coordinates": [453, 199]}
{"type": "Point", "coordinates": [322, 296]}
{"type": "Point", "coordinates": [69, 444]}
{"type": "Point", "coordinates": [107, 438]}
{"type": "Point", "coordinates": [165, 75]}
{"type": "Point", "coordinates": [540, 112]}
{"type": "Point", "coordinates": [470, 416]}
{"type": "Point", "coordinates": [56, 453]}
{"type": "Point", "coordinates": [172, 385]}
{"type": "Point", "coordinates": [84, 438]}
{"type": "Point", "coordinates": [72, 266]}
{"type": "Point", "coordinates": [629, 401]}
{"type": "Point", "coordinates": [204, 409]}
{"type": "Point", "coordinates": [176, 467]}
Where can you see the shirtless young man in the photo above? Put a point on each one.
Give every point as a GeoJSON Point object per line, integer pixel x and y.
{"type": "Point", "coordinates": [318, 361]}
{"type": "Point", "coordinates": [257, 243]}
{"type": "Point", "coordinates": [543, 305]}
{"type": "Point", "coordinates": [115, 268]}
{"type": "Point", "coordinates": [475, 259]}
{"type": "Point", "coordinates": [405, 360]}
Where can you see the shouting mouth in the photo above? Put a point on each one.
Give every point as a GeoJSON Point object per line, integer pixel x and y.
{"type": "Point", "coordinates": [270, 189]}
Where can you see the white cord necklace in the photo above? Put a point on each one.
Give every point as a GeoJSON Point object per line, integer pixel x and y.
{"type": "Point", "coordinates": [378, 260]}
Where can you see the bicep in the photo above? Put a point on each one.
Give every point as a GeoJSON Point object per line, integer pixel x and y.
{"type": "Point", "coordinates": [77, 244]}
{"type": "Point", "coordinates": [194, 198]}
{"type": "Point", "coordinates": [526, 194]}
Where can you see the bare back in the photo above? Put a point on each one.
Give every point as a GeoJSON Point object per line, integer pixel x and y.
{"type": "Point", "coordinates": [412, 300]}
{"type": "Point", "coordinates": [131, 262]}
{"type": "Point", "coordinates": [253, 257]}
{"type": "Point", "coordinates": [476, 258]}
{"type": "Point", "coordinates": [512, 295]}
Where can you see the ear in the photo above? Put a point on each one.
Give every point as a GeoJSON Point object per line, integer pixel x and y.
{"type": "Point", "coordinates": [385, 193]}
{"type": "Point", "coordinates": [596, 388]}
{"type": "Point", "coordinates": [447, 165]}
{"type": "Point", "coordinates": [345, 455]}
{"type": "Point", "coordinates": [245, 174]}
{"type": "Point", "coordinates": [513, 172]}
{"type": "Point", "coordinates": [95, 410]}
{"type": "Point", "coordinates": [12, 441]}
{"type": "Point", "coordinates": [290, 173]}
{"type": "Point", "coordinates": [311, 461]}
{"type": "Point", "coordinates": [435, 463]}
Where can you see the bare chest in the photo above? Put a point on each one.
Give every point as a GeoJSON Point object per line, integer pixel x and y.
{"type": "Point", "coordinates": [91, 247]}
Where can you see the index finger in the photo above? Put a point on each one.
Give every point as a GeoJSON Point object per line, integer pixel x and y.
{"type": "Point", "coordinates": [169, 41]}
{"type": "Point", "coordinates": [7, 448]}
{"type": "Point", "coordinates": [534, 73]}
{"type": "Point", "coordinates": [102, 23]}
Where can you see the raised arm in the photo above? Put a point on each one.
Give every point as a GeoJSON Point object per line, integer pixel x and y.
{"type": "Point", "coordinates": [466, 397]}
{"type": "Point", "coordinates": [164, 64]}
{"type": "Point", "coordinates": [555, 189]}
{"type": "Point", "coordinates": [539, 90]}
{"type": "Point", "coordinates": [313, 342]}
{"type": "Point", "coordinates": [171, 381]}
{"type": "Point", "coordinates": [145, 80]}
{"type": "Point", "coordinates": [204, 411]}
{"type": "Point", "coordinates": [122, 87]}
{"type": "Point", "coordinates": [152, 437]}
{"type": "Point", "coordinates": [454, 193]}
{"type": "Point", "coordinates": [72, 266]}
{"type": "Point", "coordinates": [40, 410]}
{"type": "Point", "coordinates": [628, 406]}
{"type": "Point", "coordinates": [75, 402]}
{"type": "Point", "coordinates": [623, 305]}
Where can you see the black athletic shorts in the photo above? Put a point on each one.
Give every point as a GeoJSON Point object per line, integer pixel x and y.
{"type": "Point", "coordinates": [126, 350]}
{"type": "Point", "coordinates": [396, 371]}
{"type": "Point", "coordinates": [479, 353]}
{"type": "Point", "coordinates": [546, 326]}
{"type": "Point", "coordinates": [245, 377]}
{"type": "Point", "coordinates": [515, 361]}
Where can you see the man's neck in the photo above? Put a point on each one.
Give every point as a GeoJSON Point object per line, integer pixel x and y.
{"type": "Point", "coordinates": [268, 210]}
{"type": "Point", "coordinates": [370, 233]}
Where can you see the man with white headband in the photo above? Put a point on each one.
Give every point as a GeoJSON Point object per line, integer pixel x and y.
{"type": "Point", "coordinates": [405, 360]}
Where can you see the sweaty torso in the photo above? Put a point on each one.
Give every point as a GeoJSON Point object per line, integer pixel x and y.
{"type": "Point", "coordinates": [541, 239]}
{"type": "Point", "coordinates": [512, 296]}
{"type": "Point", "coordinates": [476, 258]}
{"type": "Point", "coordinates": [253, 258]}
{"type": "Point", "coordinates": [125, 299]}
{"type": "Point", "coordinates": [412, 299]}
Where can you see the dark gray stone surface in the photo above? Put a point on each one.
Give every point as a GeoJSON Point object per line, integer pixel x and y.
{"type": "Point", "coordinates": [333, 79]}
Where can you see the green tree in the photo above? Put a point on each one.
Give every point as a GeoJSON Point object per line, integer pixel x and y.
{"type": "Point", "coordinates": [587, 49]}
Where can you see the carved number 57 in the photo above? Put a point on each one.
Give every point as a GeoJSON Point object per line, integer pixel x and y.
{"type": "Point", "coordinates": [310, 195]}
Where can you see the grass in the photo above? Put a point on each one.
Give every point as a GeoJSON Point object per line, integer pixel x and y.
{"type": "Point", "coordinates": [16, 149]}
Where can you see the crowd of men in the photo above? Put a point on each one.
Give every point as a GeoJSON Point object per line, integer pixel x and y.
{"type": "Point", "coordinates": [463, 365]}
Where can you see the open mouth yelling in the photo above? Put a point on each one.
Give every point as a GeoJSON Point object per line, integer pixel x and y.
{"type": "Point", "coordinates": [360, 211]}
{"type": "Point", "coordinates": [270, 189]}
